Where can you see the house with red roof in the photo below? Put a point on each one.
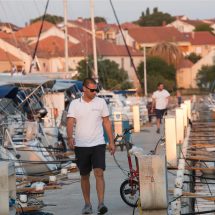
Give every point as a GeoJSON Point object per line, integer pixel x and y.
{"type": "Point", "coordinates": [187, 73]}
{"type": "Point", "coordinates": [17, 48]}
{"type": "Point", "coordinates": [51, 54]}
{"type": "Point", "coordinates": [84, 24]}
{"type": "Point", "coordinates": [79, 34]}
{"type": "Point", "coordinates": [201, 42]}
{"type": "Point", "coordinates": [150, 36]}
{"type": "Point", "coordinates": [111, 51]}
{"type": "Point", "coordinates": [55, 31]}
{"type": "Point", "coordinates": [31, 32]}
{"type": "Point", "coordinates": [106, 31]}
{"type": "Point", "coordinates": [8, 27]}
{"type": "Point", "coordinates": [186, 25]}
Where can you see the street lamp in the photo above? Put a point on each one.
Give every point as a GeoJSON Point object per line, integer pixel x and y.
{"type": "Point", "coordinates": [145, 75]}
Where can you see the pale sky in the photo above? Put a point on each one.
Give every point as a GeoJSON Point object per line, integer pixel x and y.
{"type": "Point", "coordinates": [21, 11]}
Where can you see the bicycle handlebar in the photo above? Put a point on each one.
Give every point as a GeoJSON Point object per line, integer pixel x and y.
{"type": "Point", "coordinates": [125, 131]}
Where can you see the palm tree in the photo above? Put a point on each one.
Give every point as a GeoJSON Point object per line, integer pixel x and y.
{"type": "Point", "coordinates": [168, 52]}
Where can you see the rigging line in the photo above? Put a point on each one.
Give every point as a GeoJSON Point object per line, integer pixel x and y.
{"type": "Point", "coordinates": [38, 39]}
{"type": "Point", "coordinates": [120, 28]}
{"type": "Point", "coordinates": [36, 6]}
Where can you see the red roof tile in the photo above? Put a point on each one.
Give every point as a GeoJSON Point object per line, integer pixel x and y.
{"type": "Point", "coordinates": [200, 38]}
{"type": "Point", "coordinates": [18, 43]}
{"type": "Point", "coordinates": [185, 63]}
{"type": "Point", "coordinates": [129, 25]}
{"type": "Point", "coordinates": [107, 27]}
{"type": "Point", "coordinates": [104, 48]}
{"type": "Point", "coordinates": [79, 34]}
{"type": "Point", "coordinates": [4, 35]}
{"type": "Point", "coordinates": [33, 29]}
{"type": "Point", "coordinates": [155, 34]}
{"type": "Point", "coordinates": [5, 56]}
{"type": "Point", "coordinates": [51, 47]}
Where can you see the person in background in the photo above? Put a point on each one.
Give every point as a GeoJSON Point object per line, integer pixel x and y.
{"type": "Point", "coordinates": [149, 107]}
{"type": "Point", "coordinates": [160, 99]}
{"type": "Point", "coordinates": [89, 114]}
{"type": "Point", "coordinates": [179, 98]}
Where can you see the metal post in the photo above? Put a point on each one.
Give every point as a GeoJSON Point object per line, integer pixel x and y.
{"type": "Point", "coordinates": [145, 75]}
{"type": "Point", "coordinates": [94, 41]}
{"type": "Point", "coordinates": [66, 36]}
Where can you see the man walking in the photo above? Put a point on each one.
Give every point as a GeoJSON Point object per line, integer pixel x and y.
{"type": "Point", "coordinates": [89, 114]}
{"type": "Point", "coordinates": [160, 99]}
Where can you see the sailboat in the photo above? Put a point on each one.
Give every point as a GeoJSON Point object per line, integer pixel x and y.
{"type": "Point", "coordinates": [29, 130]}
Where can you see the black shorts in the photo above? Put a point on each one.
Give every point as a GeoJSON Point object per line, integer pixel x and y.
{"type": "Point", "coordinates": [160, 113]}
{"type": "Point", "coordinates": [89, 158]}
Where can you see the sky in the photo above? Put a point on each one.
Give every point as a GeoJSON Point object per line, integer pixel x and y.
{"type": "Point", "coordinates": [20, 12]}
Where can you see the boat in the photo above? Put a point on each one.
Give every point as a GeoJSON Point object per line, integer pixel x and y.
{"type": "Point", "coordinates": [29, 135]}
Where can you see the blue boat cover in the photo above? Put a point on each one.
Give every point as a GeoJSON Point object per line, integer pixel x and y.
{"type": "Point", "coordinates": [8, 91]}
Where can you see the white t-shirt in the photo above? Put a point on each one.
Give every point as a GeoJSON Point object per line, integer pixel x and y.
{"type": "Point", "coordinates": [88, 130]}
{"type": "Point", "coordinates": [161, 99]}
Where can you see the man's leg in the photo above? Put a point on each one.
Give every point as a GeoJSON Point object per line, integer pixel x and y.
{"type": "Point", "coordinates": [85, 186]}
{"type": "Point", "coordinates": [158, 122]}
{"type": "Point", "coordinates": [100, 184]}
{"type": "Point", "coordinates": [100, 187]}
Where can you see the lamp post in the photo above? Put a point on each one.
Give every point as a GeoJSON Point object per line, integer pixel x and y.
{"type": "Point", "coordinates": [94, 41]}
{"type": "Point", "coordinates": [66, 36]}
{"type": "Point", "coordinates": [145, 75]}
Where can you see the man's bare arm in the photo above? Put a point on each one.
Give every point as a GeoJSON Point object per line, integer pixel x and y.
{"type": "Point", "coordinates": [108, 128]}
{"type": "Point", "coordinates": [69, 129]}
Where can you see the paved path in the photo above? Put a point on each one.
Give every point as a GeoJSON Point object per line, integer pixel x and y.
{"type": "Point", "coordinates": [69, 200]}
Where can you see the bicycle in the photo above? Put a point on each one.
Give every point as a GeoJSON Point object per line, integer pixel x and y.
{"type": "Point", "coordinates": [129, 189]}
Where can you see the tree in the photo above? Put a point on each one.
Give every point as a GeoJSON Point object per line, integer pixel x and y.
{"type": "Point", "coordinates": [50, 18]}
{"type": "Point", "coordinates": [157, 18]}
{"type": "Point", "coordinates": [155, 10]}
{"type": "Point", "coordinates": [168, 52]}
{"type": "Point", "coordinates": [204, 27]}
{"type": "Point", "coordinates": [193, 57]}
{"type": "Point", "coordinates": [110, 75]}
{"type": "Point", "coordinates": [147, 11]}
{"type": "Point", "coordinates": [98, 19]}
{"type": "Point", "coordinates": [157, 71]}
{"type": "Point", "coordinates": [205, 76]}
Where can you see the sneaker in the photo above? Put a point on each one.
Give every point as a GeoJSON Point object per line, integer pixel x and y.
{"type": "Point", "coordinates": [158, 131]}
{"type": "Point", "coordinates": [87, 209]}
{"type": "Point", "coordinates": [102, 209]}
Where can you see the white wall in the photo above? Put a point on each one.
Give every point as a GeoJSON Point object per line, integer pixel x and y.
{"type": "Point", "coordinates": [207, 60]}
{"type": "Point", "coordinates": [129, 40]}
{"type": "Point", "coordinates": [181, 26]}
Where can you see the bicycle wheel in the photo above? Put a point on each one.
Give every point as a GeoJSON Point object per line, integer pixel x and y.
{"type": "Point", "coordinates": [129, 192]}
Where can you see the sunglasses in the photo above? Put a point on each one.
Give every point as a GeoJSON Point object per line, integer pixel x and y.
{"type": "Point", "coordinates": [92, 90]}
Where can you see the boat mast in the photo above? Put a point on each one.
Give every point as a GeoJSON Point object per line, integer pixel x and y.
{"type": "Point", "coordinates": [66, 36]}
{"type": "Point", "coordinates": [95, 72]}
